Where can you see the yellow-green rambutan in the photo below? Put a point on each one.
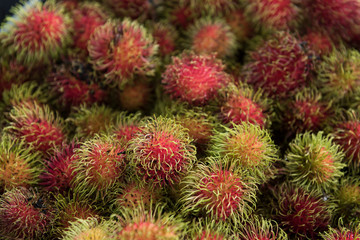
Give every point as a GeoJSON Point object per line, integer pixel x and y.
{"type": "Point", "coordinates": [162, 152]}
{"type": "Point", "coordinates": [314, 161]}
{"type": "Point", "coordinates": [341, 234]}
{"type": "Point", "coordinates": [248, 146]}
{"type": "Point", "coordinates": [207, 229]}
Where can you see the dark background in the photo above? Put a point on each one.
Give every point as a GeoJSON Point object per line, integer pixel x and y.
{"type": "Point", "coordinates": [5, 6]}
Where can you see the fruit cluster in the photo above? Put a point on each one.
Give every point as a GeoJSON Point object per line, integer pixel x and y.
{"type": "Point", "coordinates": [180, 119]}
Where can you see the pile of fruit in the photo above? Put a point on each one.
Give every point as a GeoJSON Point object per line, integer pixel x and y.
{"type": "Point", "coordinates": [180, 119]}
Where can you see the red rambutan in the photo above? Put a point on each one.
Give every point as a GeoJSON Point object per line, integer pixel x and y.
{"type": "Point", "coordinates": [37, 32]}
{"type": "Point", "coordinates": [136, 95]}
{"type": "Point", "coordinates": [193, 78]}
{"type": "Point", "coordinates": [280, 66]}
{"type": "Point", "coordinates": [166, 36]}
{"type": "Point", "coordinates": [319, 42]}
{"type": "Point", "coordinates": [162, 152]}
{"type": "Point", "coordinates": [134, 9]}
{"type": "Point", "coordinates": [258, 228]}
{"type": "Point", "coordinates": [122, 49]}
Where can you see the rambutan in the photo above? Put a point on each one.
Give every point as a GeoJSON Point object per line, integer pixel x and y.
{"type": "Point", "coordinates": [258, 228]}
{"type": "Point", "coordinates": [136, 95]}
{"type": "Point", "coordinates": [166, 36]}
{"type": "Point", "coordinates": [242, 104]}
{"type": "Point", "coordinates": [25, 214]}
{"type": "Point", "coordinates": [247, 146]}
{"type": "Point", "coordinates": [341, 234]}
{"type": "Point", "coordinates": [98, 165]}
{"type": "Point", "coordinates": [180, 13]}
{"type": "Point", "coordinates": [92, 120]}
{"type": "Point", "coordinates": [302, 214]}
{"type": "Point", "coordinates": [122, 49]}
{"type": "Point", "coordinates": [280, 66]}
{"type": "Point", "coordinates": [214, 7]}
{"type": "Point", "coordinates": [37, 32]}
{"type": "Point", "coordinates": [314, 161]}
{"type": "Point", "coordinates": [19, 166]}
{"type": "Point", "coordinates": [346, 133]}
{"type": "Point", "coordinates": [206, 229]}
{"type": "Point", "coordinates": [37, 125]}
{"type": "Point", "coordinates": [338, 74]}
{"type": "Point", "coordinates": [86, 17]}
{"type": "Point", "coordinates": [134, 9]}
{"type": "Point", "coordinates": [162, 152]}
{"type": "Point", "coordinates": [193, 78]}
{"type": "Point", "coordinates": [89, 229]}
{"type": "Point", "coordinates": [220, 191]}
{"type": "Point", "coordinates": [211, 36]}
{"type": "Point", "coordinates": [152, 224]}
{"type": "Point", "coordinates": [319, 42]}
{"type": "Point", "coordinates": [126, 126]}
{"type": "Point", "coordinates": [59, 171]}
{"type": "Point", "coordinates": [340, 19]}
{"type": "Point", "coordinates": [277, 15]}
{"type": "Point", "coordinates": [239, 24]}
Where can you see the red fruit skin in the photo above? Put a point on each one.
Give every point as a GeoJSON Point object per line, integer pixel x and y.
{"type": "Point", "coordinates": [126, 133]}
{"type": "Point", "coordinates": [347, 135]}
{"type": "Point", "coordinates": [135, 96]}
{"type": "Point", "coordinates": [165, 36]}
{"type": "Point", "coordinates": [23, 215]}
{"type": "Point", "coordinates": [340, 18]}
{"type": "Point", "coordinates": [280, 67]}
{"type": "Point", "coordinates": [320, 43]}
{"type": "Point", "coordinates": [130, 8]}
{"type": "Point", "coordinates": [195, 79]}
{"type": "Point", "coordinates": [59, 171]}
{"type": "Point", "coordinates": [238, 109]}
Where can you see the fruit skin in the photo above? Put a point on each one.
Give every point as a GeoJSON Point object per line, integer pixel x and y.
{"type": "Point", "coordinates": [126, 126]}
{"type": "Point", "coordinates": [280, 66]}
{"type": "Point", "coordinates": [25, 214]}
{"type": "Point", "coordinates": [319, 42]}
{"type": "Point", "coordinates": [162, 152]}
{"type": "Point", "coordinates": [207, 229]}
{"type": "Point", "coordinates": [106, 50]}
{"type": "Point", "coordinates": [153, 224]}
{"type": "Point", "coordinates": [98, 166]}
{"type": "Point", "coordinates": [19, 165]}
{"type": "Point", "coordinates": [36, 32]}
{"type": "Point", "coordinates": [314, 161]}
{"type": "Point", "coordinates": [194, 79]}
{"type": "Point", "coordinates": [90, 228]}
{"type": "Point", "coordinates": [345, 130]}
{"type": "Point", "coordinates": [211, 36]}
{"type": "Point", "coordinates": [257, 228]}
{"type": "Point", "coordinates": [340, 19]}
{"type": "Point", "coordinates": [37, 125]}
{"type": "Point", "coordinates": [166, 36]}
{"type": "Point", "coordinates": [136, 95]}
{"type": "Point", "coordinates": [301, 213]}
{"type": "Point", "coordinates": [240, 103]}
{"type": "Point", "coordinates": [134, 9]}
{"type": "Point", "coordinates": [247, 146]}
{"type": "Point", "coordinates": [341, 234]}
{"type": "Point", "coordinates": [221, 191]}
{"type": "Point", "coordinates": [58, 169]}
{"type": "Point", "coordinates": [275, 15]}
{"type": "Point", "coordinates": [338, 75]}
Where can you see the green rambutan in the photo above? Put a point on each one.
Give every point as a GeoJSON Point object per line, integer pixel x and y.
{"type": "Point", "coordinates": [314, 161]}
{"type": "Point", "coordinates": [258, 228]}
{"type": "Point", "coordinates": [90, 229]}
{"type": "Point", "coordinates": [301, 213]}
{"type": "Point", "coordinates": [277, 14]}
{"type": "Point", "coordinates": [91, 120]}
{"type": "Point", "coordinates": [19, 165]}
{"type": "Point", "coordinates": [121, 50]}
{"type": "Point", "coordinates": [280, 66]}
{"type": "Point", "coordinates": [25, 214]}
{"type": "Point", "coordinates": [346, 133]}
{"type": "Point", "coordinates": [195, 79]}
{"type": "Point", "coordinates": [98, 165]}
{"type": "Point", "coordinates": [153, 224]}
{"type": "Point", "coordinates": [242, 104]}
{"type": "Point", "coordinates": [59, 171]}
{"type": "Point", "coordinates": [37, 32]}
{"type": "Point", "coordinates": [219, 190]}
{"type": "Point", "coordinates": [162, 152]}
{"type": "Point", "coordinates": [211, 36]}
{"type": "Point", "coordinates": [248, 146]}
{"type": "Point", "coordinates": [338, 75]}
{"type": "Point", "coordinates": [37, 125]}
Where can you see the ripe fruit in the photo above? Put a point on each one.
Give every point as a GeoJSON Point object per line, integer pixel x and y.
{"type": "Point", "coordinates": [258, 228]}
{"type": "Point", "coordinates": [166, 36]}
{"type": "Point", "coordinates": [220, 191]}
{"type": "Point", "coordinates": [19, 165]}
{"type": "Point", "coordinates": [134, 9]}
{"type": "Point", "coordinates": [280, 66]}
{"type": "Point", "coordinates": [193, 78]}
{"type": "Point", "coordinates": [341, 234]}
{"type": "Point", "coordinates": [162, 152]}
{"type": "Point", "coordinates": [37, 32]}
{"type": "Point", "coordinates": [25, 214]}
{"type": "Point", "coordinates": [207, 229]}
{"type": "Point", "coordinates": [248, 146]}
{"type": "Point", "coordinates": [314, 161]}
{"type": "Point", "coordinates": [136, 95]}
{"type": "Point", "coordinates": [208, 36]}
{"type": "Point", "coordinates": [121, 50]}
